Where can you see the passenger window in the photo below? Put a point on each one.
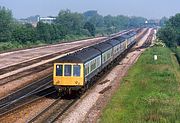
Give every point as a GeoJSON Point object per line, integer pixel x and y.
{"type": "Point", "coordinates": [76, 70]}
{"type": "Point", "coordinates": [86, 69]}
{"type": "Point", "coordinates": [59, 70]}
{"type": "Point", "coordinates": [67, 70]}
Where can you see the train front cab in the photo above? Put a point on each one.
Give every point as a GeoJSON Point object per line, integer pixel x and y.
{"type": "Point", "coordinates": [68, 76]}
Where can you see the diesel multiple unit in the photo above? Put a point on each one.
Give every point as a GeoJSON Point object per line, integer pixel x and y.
{"type": "Point", "coordinates": [77, 70]}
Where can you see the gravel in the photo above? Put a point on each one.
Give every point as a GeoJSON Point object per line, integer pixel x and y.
{"type": "Point", "coordinates": [26, 113]}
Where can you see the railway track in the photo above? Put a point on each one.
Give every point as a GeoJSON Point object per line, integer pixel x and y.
{"type": "Point", "coordinates": [148, 41]}
{"type": "Point", "coordinates": [51, 113]}
{"type": "Point", "coordinates": [18, 103]}
{"type": "Point", "coordinates": [29, 93]}
{"type": "Point", "coordinates": [140, 38]}
{"type": "Point", "coordinates": [27, 63]}
{"type": "Point", "coordinates": [25, 73]}
{"type": "Point", "coordinates": [141, 35]}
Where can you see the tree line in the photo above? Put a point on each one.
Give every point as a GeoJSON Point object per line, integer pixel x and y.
{"type": "Point", "coordinates": [67, 25]}
{"type": "Point", "coordinates": [170, 32]}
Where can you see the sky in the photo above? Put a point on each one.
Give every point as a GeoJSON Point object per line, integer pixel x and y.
{"type": "Point", "coordinates": [151, 9]}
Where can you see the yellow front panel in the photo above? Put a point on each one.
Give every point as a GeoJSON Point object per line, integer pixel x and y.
{"type": "Point", "coordinates": [69, 80]}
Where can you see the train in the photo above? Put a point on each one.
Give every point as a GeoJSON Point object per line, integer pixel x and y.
{"type": "Point", "coordinates": [77, 70]}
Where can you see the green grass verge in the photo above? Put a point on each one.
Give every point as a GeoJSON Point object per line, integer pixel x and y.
{"type": "Point", "coordinates": [177, 51]}
{"type": "Point", "coordinates": [149, 93]}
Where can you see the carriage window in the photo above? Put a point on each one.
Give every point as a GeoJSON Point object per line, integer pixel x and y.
{"type": "Point", "coordinates": [67, 70]}
{"type": "Point", "coordinates": [76, 70]}
{"type": "Point", "coordinates": [93, 65]}
{"type": "Point", "coordinates": [87, 69]}
{"type": "Point", "coordinates": [59, 70]}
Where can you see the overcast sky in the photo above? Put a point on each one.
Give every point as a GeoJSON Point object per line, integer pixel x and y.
{"type": "Point", "coordinates": [151, 9]}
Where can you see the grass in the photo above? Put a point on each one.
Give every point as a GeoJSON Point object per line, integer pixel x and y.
{"type": "Point", "coordinates": [149, 93]}
{"type": "Point", "coordinates": [177, 51]}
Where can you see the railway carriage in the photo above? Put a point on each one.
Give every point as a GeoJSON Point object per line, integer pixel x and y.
{"type": "Point", "coordinates": [123, 41]}
{"type": "Point", "coordinates": [75, 71]}
{"type": "Point", "coordinates": [126, 38]}
{"type": "Point", "coordinates": [106, 53]}
{"type": "Point", "coordinates": [132, 37]}
{"type": "Point", "coordinates": [116, 50]}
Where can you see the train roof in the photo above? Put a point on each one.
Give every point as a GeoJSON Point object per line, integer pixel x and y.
{"type": "Point", "coordinates": [125, 36]}
{"type": "Point", "coordinates": [129, 35]}
{"type": "Point", "coordinates": [132, 33]}
{"type": "Point", "coordinates": [104, 46]}
{"type": "Point", "coordinates": [113, 42]}
{"type": "Point", "coordinates": [80, 56]}
{"type": "Point", "coordinates": [120, 38]}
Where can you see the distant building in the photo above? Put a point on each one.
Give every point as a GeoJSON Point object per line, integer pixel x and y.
{"type": "Point", "coordinates": [152, 23]}
{"type": "Point", "coordinates": [30, 20]}
{"type": "Point", "coordinates": [35, 19]}
{"type": "Point", "coordinates": [48, 20]}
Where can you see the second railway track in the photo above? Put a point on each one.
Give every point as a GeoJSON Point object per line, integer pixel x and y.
{"type": "Point", "coordinates": [26, 92]}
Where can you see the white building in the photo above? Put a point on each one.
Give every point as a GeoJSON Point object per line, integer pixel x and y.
{"type": "Point", "coordinates": [48, 20]}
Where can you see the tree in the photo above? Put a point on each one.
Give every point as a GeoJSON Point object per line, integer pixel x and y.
{"type": "Point", "coordinates": [163, 21]}
{"type": "Point", "coordinates": [71, 23]}
{"type": "Point", "coordinates": [55, 33]}
{"type": "Point", "coordinates": [167, 35]}
{"type": "Point", "coordinates": [5, 24]}
{"type": "Point", "coordinates": [43, 32]}
{"type": "Point", "coordinates": [170, 32]}
{"type": "Point", "coordinates": [90, 27]}
{"type": "Point", "coordinates": [109, 21]}
{"type": "Point", "coordinates": [122, 22]}
{"type": "Point", "coordinates": [93, 17]}
{"type": "Point", "coordinates": [90, 14]}
{"type": "Point", "coordinates": [136, 22]}
{"type": "Point", "coordinates": [24, 33]}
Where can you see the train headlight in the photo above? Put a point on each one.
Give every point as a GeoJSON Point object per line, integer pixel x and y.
{"type": "Point", "coordinates": [76, 82]}
{"type": "Point", "coordinates": [58, 82]}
